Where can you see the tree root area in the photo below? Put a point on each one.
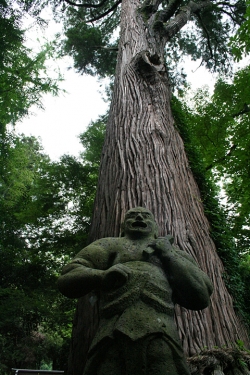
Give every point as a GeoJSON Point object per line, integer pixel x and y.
{"type": "Point", "coordinates": [220, 361]}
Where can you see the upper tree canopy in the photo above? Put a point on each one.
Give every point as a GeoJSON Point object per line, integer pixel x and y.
{"type": "Point", "coordinates": [90, 25]}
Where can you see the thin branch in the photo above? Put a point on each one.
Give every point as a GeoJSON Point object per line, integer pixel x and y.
{"type": "Point", "coordinates": [106, 48]}
{"type": "Point", "coordinates": [86, 5]}
{"type": "Point", "coordinates": [227, 4]}
{"type": "Point", "coordinates": [207, 34]}
{"type": "Point", "coordinates": [231, 16]}
{"type": "Point", "coordinates": [105, 13]}
{"type": "Point", "coordinates": [198, 67]}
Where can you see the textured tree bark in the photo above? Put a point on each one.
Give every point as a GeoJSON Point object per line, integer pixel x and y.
{"type": "Point", "coordinates": [144, 164]}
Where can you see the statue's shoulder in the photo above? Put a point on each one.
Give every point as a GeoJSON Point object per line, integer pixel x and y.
{"type": "Point", "coordinates": [97, 253]}
{"type": "Point", "coordinates": [185, 255]}
{"type": "Point", "coordinates": [106, 242]}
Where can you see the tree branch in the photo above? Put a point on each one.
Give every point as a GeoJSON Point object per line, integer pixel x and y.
{"type": "Point", "coordinates": [149, 7]}
{"type": "Point", "coordinates": [227, 4]}
{"type": "Point", "coordinates": [234, 11]}
{"type": "Point", "coordinates": [231, 16]}
{"type": "Point", "coordinates": [207, 34]}
{"type": "Point", "coordinates": [106, 48]}
{"type": "Point", "coordinates": [175, 25]}
{"type": "Point", "coordinates": [105, 13]}
{"type": "Point", "coordinates": [166, 14]}
{"type": "Point", "coordinates": [86, 5]}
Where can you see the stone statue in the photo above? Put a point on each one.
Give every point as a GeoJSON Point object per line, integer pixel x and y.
{"type": "Point", "coordinates": [139, 277]}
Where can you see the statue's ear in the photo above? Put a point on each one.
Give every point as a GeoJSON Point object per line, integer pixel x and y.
{"type": "Point", "coordinates": [122, 230]}
{"type": "Point", "coordinates": [156, 231]}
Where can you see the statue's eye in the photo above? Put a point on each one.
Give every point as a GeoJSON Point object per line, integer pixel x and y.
{"type": "Point", "coordinates": [129, 216]}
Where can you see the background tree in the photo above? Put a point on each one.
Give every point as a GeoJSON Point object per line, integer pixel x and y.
{"type": "Point", "coordinates": [45, 210]}
{"type": "Point", "coordinates": [36, 237]}
{"type": "Point", "coordinates": [219, 126]}
{"type": "Point", "coordinates": [23, 80]}
{"type": "Point", "coordinates": [24, 75]}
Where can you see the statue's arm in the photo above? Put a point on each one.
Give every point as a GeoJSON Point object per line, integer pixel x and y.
{"type": "Point", "coordinates": [191, 286]}
{"type": "Point", "coordinates": [93, 269]}
{"type": "Point", "coordinates": [84, 273]}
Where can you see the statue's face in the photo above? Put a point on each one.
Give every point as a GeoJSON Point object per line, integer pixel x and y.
{"type": "Point", "coordinates": [140, 222]}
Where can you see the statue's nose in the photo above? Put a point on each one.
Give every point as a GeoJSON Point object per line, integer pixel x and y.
{"type": "Point", "coordinates": [139, 217]}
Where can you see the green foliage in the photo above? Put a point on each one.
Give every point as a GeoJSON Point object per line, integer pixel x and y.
{"type": "Point", "coordinates": [92, 140]}
{"type": "Point", "coordinates": [218, 128]}
{"type": "Point", "coordinates": [28, 298]}
{"type": "Point", "coordinates": [221, 127]}
{"type": "Point", "coordinates": [240, 42]}
{"type": "Point", "coordinates": [23, 73]}
{"type": "Point", "coordinates": [26, 189]}
{"type": "Point", "coordinates": [210, 25]}
{"type": "Point", "coordinates": [219, 221]}
{"type": "Point", "coordinates": [89, 45]}
{"type": "Point", "coordinates": [23, 80]}
{"type": "Point", "coordinates": [45, 210]}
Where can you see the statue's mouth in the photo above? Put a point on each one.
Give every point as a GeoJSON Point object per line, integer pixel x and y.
{"type": "Point", "coordinates": [139, 224]}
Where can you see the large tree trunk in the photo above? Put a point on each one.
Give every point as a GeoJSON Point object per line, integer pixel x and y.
{"type": "Point", "coordinates": [144, 164]}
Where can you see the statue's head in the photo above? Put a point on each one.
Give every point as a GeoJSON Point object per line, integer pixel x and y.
{"type": "Point", "coordinates": [139, 222]}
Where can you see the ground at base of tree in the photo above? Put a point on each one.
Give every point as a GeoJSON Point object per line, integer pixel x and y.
{"type": "Point", "coordinates": [220, 361]}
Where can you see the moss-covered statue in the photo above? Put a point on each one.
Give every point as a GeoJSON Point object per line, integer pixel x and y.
{"type": "Point", "coordinates": [139, 277]}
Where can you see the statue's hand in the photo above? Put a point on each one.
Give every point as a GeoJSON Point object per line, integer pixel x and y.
{"type": "Point", "coordinates": [162, 247]}
{"type": "Point", "coordinates": [116, 276]}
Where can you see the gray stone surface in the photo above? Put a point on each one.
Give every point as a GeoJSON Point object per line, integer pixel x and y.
{"type": "Point", "coordinates": [139, 277]}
